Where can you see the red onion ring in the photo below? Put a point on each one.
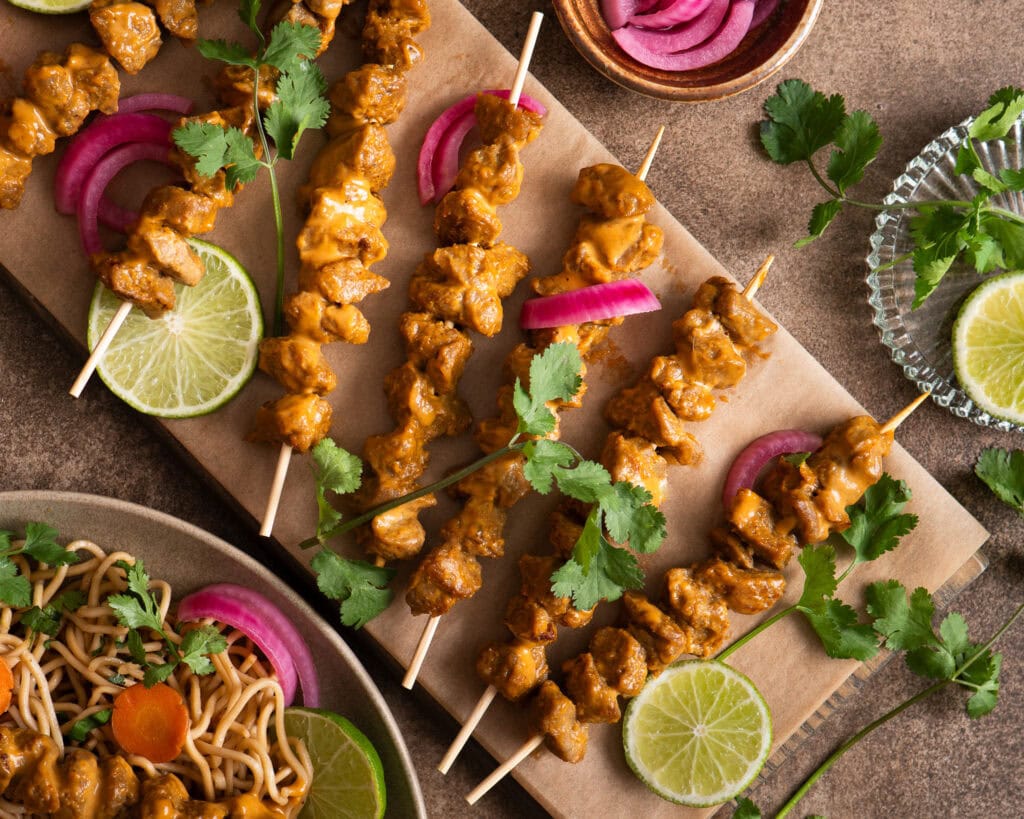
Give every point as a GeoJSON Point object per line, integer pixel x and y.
{"type": "Point", "coordinates": [267, 626]}
{"type": "Point", "coordinates": [680, 38]}
{"type": "Point", "coordinates": [761, 451]}
{"type": "Point", "coordinates": [155, 102]}
{"type": "Point", "coordinates": [593, 303]}
{"type": "Point", "coordinates": [91, 144]}
{"type": "Point", "coordinates": [98, 179]}
{"type": "Point", "coordinates": [438, 162]}
{"type": "Point", "coordinates": [722, 43]}
{"type": "Point", "coordinates": [763, 12]}
{"type": "Point", "coordinates": [678, 12]}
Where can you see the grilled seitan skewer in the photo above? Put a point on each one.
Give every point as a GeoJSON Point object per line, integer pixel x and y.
{"type": "Point", "coordinates": [342, 235]}
{"type": "Point", "coordinates": [35, 775]}
{"type": "Point", "coordinates": [613, 241]}
{"type": "Point", "coordinates": [798, 505]}
{"type": "Point", "coordinates": [457, 288]}
{"type": "Point", "coordinates": [713, 341]}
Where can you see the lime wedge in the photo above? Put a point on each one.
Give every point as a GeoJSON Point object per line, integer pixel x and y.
{"type": "Point", "coordinates": [988, 346]}
{"type": "Point", "coordinates": [52, 6]}
{"type": "Point", "coordinates": [193, 359]}
{"type": "Point", "coordinates": [698, 734]}
{"type": "Point", "coordinates": [348, 779]}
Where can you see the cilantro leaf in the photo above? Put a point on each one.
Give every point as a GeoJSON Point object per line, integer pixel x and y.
{"type": "Point", "coordinates": [289, 44]}
{"type": "Point", "coordinates": [630, 517]}
{"type": "Point", "coordinates": [857, 144]}
{"type": "Point", "coordinates": [1004, 108]}
{"type": "Point", "coordinates": [249, 11]}
{"type": "Point", "coordinates": [79, 730]}
{"type": "Point", "coordinates": [819, 565]}
{"type": "Point", "coordinates": [47, 619]}
{"type": "Point", "coordinates": [197, 644]}
{"type": "Point", "coordinates": [906, 623]}
{"type": "Point", "coordinates": [360, 587]}
{"type": "Point", "coordinates": [878, 522]}
{"type": "Point", "coordinates": [590, 542]}
{"type": "Point", "coordinates": [300, 105]}
{"type": "Point", "coordinates": [821, 217]}
{"type": "Point", "coordinates": [136, 648]}
{"type": "Point", "coordinates": [335, 470]}
{"type": "Point", "coordinates": [543, 458]}
{"type": "Point", "coordinates": [1002, 470]}
{"type": "Point", "coordinates": [15, 590]}
{"type": "Point", "coordinates": [240, 162]}
{"type": "Point", "coordinates": [225, 52]}
{"type": "Point", "coordinates": [745, 809]}
{"type": "Point", "coordinates": [611, 570]}
{"type": "Point", "coordinates": [554, 376]}
{"type": "Point", "coordinates": [215, 148]}
{"type": "Point", "coordinates": [842, 635]}
{"type": "Point", "coordinates": [588, 482]}
{"type": "Point", "coordinates": [155, 674]}
{"type": "Point", "coordinates": [5, 541]}
{"type": "Point", "coordinates": [983, 676]}
{"type": "Point", "coordinates": [800, 122]}
{"type": "Point", "coordinates": [41, 543]}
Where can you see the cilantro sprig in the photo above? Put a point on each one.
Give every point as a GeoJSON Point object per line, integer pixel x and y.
{"type": "Point", "coordinates": [299, 105]}
{"type": "Point", "coordinates": [41, 545]}
{"type": "Point", "coordinates": [137, 609]}
{"type": "Point", "coordinates": [899, 620]}
{"type": "Point", "coordinates": [1002, 470]}
{"type": "Point", "coordinates": [599, 567]}
{"type": "Point", "coordinates": [801, 122]}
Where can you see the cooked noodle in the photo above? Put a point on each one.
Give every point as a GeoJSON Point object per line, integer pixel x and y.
{"type": "Point", "coordinates": [236, 714]}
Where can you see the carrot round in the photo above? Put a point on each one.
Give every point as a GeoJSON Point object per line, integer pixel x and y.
{"type": "Point", "coordinates": [150, 722]}
{"type": "Point", "coordinates": [6, 686]}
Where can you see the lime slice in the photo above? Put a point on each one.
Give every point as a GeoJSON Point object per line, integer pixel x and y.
{"type": "Point", "coordinates": [193, 359]}
{"type": "Point", "coordinates": [52, 6]}
{"type": "Point", "coordinates": [348, 779]}
{"type": "Point", "coordinates": [698, 734]}
{"type": "Point", "coordinates": [988, 346]}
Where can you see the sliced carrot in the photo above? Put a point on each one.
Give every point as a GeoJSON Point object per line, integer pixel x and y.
{"type": "Point", "coordinates": [6, 686]}
{"type": "Point", "coordinates": [150, 722]}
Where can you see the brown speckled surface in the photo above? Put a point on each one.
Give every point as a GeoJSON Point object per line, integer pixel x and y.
{"type": "Point", "coordinates": [918, 68]}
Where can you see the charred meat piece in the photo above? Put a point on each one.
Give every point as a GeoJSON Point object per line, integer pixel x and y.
{"type": "Point", "coordinates": [595, 700]}
{"type": "Point", "coordinates": [699, 610]}
{"type": "Point", "coordinates": [443, 576]}
{"type": "Point", "coordinates": [554, 716]}
{"type": "Point", "coordinates": [515, 668]}
{"type": "Point", "coordinates": [746, 591]}
{"type": "Point", "coordinates": [299, 420]}
{"type": "Point", "coordinates": [128, 31]}
{"type": "Point", "coordinates": [610, 191]}
{"type": "Point", "coordinates": [741, 319]}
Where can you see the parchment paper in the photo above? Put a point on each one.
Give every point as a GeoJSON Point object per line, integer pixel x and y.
{"type": "Point", "coordinates": [788, 389]}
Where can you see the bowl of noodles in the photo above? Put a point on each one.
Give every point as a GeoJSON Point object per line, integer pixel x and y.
{"type": "Point", "coordinates": [235, 752]}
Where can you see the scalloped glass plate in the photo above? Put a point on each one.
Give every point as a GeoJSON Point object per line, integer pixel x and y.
{"type": "Point", "coordinates": [920, 340]}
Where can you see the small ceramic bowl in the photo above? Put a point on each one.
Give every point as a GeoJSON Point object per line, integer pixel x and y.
{"type": "Point", "coordinates": [762, 52]}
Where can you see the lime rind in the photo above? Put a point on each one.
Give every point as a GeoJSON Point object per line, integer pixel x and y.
{"type": "Point", "coordinates": [52, 6]}
{"type": "Point", "coordinates": [178, 367]}
{"type": "Point", "coordinates": [988, 346]}
{"type": "Point", "coordinates": [348, 776]}
{"type": "Point", "coordinates": [699, 734]}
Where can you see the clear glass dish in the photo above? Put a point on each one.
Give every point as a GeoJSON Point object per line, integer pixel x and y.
{"type": "Point", "coordinates": [920, 340]}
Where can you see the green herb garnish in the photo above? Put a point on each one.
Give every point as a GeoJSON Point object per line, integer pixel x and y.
{"type": "Point", "coordinates": [79, 729]}
{"type": "Point", "coordinates": [597, 570]}
{"type": "Point", "coordinates": [801, 121]}
{"type": "Point", "coordinates": [40, 544]}
{"type": "Point", "coordinates": [46, 620]}
{"type": "Point", "coordinates": [1002, 471]}
{"type": "Point", "coordinates": [137, 609]}
{"type": "Point", "coordinates": [299, 106]}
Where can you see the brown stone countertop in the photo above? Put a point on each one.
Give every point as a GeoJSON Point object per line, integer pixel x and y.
{"type": "Point", "coordinates": [917, 68]}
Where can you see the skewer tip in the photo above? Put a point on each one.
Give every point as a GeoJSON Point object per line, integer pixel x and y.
{"type": "Point", "coordinates": [276, 488]}
{"type": "Point", "coordinates": [524, 57]}
{"type": "Point", "coordinates": [100, 349]}
{"type": "Point", "coordinates": [499, 773]}
{"type": "Point", "coordinates": [905, 413]}
{"type": "Point", "coordinates": [758, 279]}
{"type": "Point", "coordinates": [426, 638]}
{"type": "Point", "coordinates": [645, 166]}
{"type": "Point", "coordinates": [468, 727]}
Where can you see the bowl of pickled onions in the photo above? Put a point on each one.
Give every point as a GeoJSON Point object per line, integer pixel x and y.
{"type": "Point", "coordinates": [688, 50]}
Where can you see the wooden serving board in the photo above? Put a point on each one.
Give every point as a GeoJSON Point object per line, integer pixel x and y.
{"type": "Point", "coordinates": [787, 389]}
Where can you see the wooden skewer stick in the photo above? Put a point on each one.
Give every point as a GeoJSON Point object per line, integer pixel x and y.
{"type": "Point", "coordinates": [755, 283]}
{"type": "Point", "coordinates": [477, 714]}
{"type": "Point", "coordinates": [100, 349]}
{"type": "Point", "coordinates": [468, 727]}
{"type": "Point", "coordinates": [284, 457]}
{"type": "Point", "coordinates": [527, 748]}
{"type": "Point", "coordinates": [905, 413]}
